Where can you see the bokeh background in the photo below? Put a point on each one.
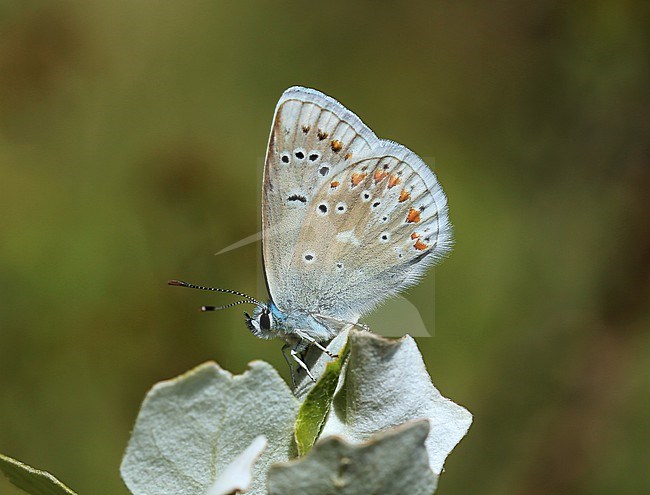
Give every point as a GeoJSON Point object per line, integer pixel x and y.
{"type": "Point", "coordinates": [131, 139]}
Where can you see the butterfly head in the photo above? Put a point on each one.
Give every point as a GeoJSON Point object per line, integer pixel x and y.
{"type": "Point", "coordinates": [262, 322]}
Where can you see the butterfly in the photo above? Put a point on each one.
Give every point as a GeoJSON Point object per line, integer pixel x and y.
{"type": "Point", "coordinates": [348, 220]}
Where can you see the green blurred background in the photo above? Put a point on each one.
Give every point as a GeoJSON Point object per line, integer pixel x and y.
{"type": "Point", "coordinates": [131, 139]}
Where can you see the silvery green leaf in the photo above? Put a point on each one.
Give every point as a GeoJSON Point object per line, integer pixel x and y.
{"type": "Point", "coordinates": [394, 462]}
{"type": "Point", "coordinates": [33, 481]}
{"type": "Point", "coordinates": [191, 428]}
{"type": "Point", "coordinates": [386, 384]}
{"type": "Point", "coordinates": [238, 475]}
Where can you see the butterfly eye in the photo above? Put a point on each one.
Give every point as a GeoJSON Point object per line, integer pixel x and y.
{"type": "Point", "coordinates": [265, 321]}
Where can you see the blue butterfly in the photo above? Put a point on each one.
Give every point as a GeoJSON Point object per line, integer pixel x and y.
{"type": "Point", "coordinates": [348, 220]}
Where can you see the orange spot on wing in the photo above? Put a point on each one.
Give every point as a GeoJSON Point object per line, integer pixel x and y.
{"type": "Point", "coordinates": [357, 178]}
{"type": "Point", "coordinates": [347, 156]}
{"type": "Point", "coordinates": [404, 195]}
{"type": "Point", "coordinates": [415, 235]}
{"type": "Point", "coordinates": [393, 181]}
{"type": "Point", "coordinates": [420, 246]}
{"type": "Point", "coordinates": [334, 184]}
{"type": "Point", "coordinates": [379, 176]}
{"type": "Point", "coordinates": [413, 216]}
{"type": "Point", "coordinates": [336, 146]}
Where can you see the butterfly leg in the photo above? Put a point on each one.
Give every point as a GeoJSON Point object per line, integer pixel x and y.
{"type": "Point", "coordinates": [286, 358]}
{"type": "Point", "coordinates": [295, 354]}
{"type": "Point", "coordinates": [315, 343]}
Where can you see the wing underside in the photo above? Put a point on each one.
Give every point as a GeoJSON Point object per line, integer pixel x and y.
{"type": "Point", "coordinates": [348, 219]}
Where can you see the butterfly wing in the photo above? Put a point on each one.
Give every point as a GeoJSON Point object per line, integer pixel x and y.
{"type": "Point", "coordinates": [367, 229]}
{"type": "Point", "coordinates": [304, 152]}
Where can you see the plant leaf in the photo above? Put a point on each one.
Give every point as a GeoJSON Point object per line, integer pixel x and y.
{"type": "Point", "coordinates": [394, 462]}
{"type": "Point", "coordinates": [316, 406]}
{"type": "Point", "coordinates": [386, 384]}
{"type": "Point", "coordinates": [31, 480]}
{"type": "Point", "coordinates": [191, 428]}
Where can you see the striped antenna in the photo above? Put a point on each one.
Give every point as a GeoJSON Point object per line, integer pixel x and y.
{"type": "Point", "coordinates": [226, 306]}
{"type": "Point", "coordinates": [249, 299]}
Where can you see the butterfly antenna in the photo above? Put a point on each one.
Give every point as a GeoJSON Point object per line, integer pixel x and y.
{"type": "Point", "coordinates": [180, 283]}
{"type": "Point", "coordinates": [225, 306]}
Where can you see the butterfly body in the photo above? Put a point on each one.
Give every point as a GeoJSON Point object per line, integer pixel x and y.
{"type": "Point", "coordinates": [268, 321]}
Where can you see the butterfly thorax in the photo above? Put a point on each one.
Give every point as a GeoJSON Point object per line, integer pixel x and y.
{"type": "Point", "coordinates": [268, 321]}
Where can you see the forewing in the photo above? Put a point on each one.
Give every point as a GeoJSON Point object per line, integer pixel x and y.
{"type": "Point", "coordinates": [313, 138]}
